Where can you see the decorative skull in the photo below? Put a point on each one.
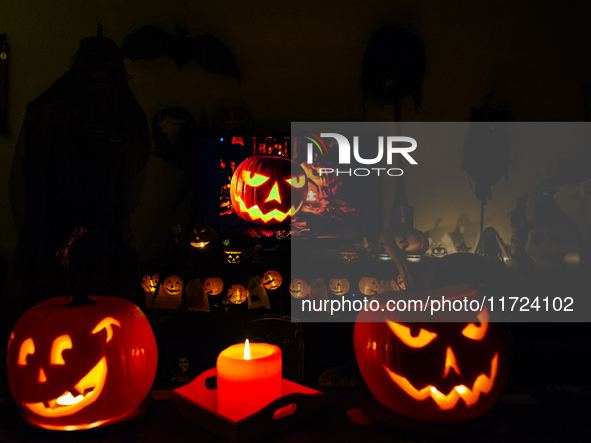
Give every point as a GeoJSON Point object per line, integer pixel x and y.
{"type": "Point", "coordinates": [184, 364]}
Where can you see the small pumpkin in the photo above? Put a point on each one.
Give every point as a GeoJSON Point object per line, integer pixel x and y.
{"type": "Point", "coordinates": [80, 366]}
{"type": "Point", "coordinates": [213, 286]}
{"type": "Point", "coordinates": [233, 256]}
{"type": "Point", "coordinates": [298, 288]}
{"type": "Point", "coordinates": [339, 286]}
{"type": "Point", "coordinates": [173, 285]}
{"type": "Point", "coordinates": [237, 294]}
{"type": "Point", "coordinates": [272, 280]}
{"type": "Point", "coordinates": [268, 190]}
{"type": "Point", "coordinates": [149, 283]}
{"type": "Point", "coordinates": [369, 285]}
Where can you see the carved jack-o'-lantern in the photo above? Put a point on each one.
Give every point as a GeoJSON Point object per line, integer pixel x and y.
{"type": "Point", "coordinates": [213, 286]}
{"type": "Point", "coordinates": [233, 256]}
{"type": "Point", "coordinates": [76, 367]}
{"type": "Point", "coordinates": [272, 280]}
{"type": "Point", "coordinates": [339, 286]}
{"type": "Point", "coordinates": [439, 252]}
{"type": "Point", "coordinates": [268, 190]}
{"type": "Point", "coordinates": [237, 294]}
{"type": "Point", "coordinates": [299, 288]}
{"type": "Point", "coordinates": [149, 283]}
{"type": "Point", "coordinates": [173, 285]}
{"type": "Point", "coordinates": [438, 372]}
{"type": "Point", "coordinates": [368, 286]}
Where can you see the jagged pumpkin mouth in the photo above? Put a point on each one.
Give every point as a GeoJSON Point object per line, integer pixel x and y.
{"type": "Point", "coordinates": [84, 393]}
{"type": "Point", "coordinates": [255, 212]}
{"type": "Point", "coordinates": [482, 385]}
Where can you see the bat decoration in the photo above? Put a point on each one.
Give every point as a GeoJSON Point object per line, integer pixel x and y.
{"type": "Point", "coordinates": [150, 42]}
{"type": "Point", "coordinates": [486, 149]}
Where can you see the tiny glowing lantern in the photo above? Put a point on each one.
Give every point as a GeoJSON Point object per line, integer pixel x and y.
{"type": "Point", "coordinates": [369, 286]}
{"type": "Point", "coordinates": [80, 366]}
{"type": "Point", "coordinates": [299, 288]}
{"type": "Point", "coordinates": [149, 283]}
{"type": "Point", "coordinates": [213, 286]}
{"type": "Point", "coordinates": [237, 294]}
{"type": "Point", "coordinates": [272, 280]}
{"type": "Point", "coordinates": [248, 378]}
{"type": "Point", "coordinates": [233, 256]}
{"type": "Point", "coordinates": [339, 286]}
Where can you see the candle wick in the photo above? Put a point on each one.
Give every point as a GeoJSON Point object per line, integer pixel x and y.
{"type": "Point", "coordinates": [246, 350]}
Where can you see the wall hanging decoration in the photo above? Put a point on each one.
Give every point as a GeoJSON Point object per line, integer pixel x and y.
{"type": "Point", "coordinates": [150, 42]}
{"type": "Point", "coordinates": [393, 66]}
{"type": "Point", "coordinates": [268, 190]}
{"type": "Point", "coordinates": [195, 296]}
{"type": "Point", "coordinates": [237, 294]}
{"type": "Point", "coordinates": [257, 296]}
{"type": "Point", "coordinates": [299, 288]}
{"type": "Point", "coordinates": [83, 146]}
{"type": "Point", "coordinates": [339, 286]}
{"type": "Point", "coordinates": [435, 372]}
{"type": "Point", "coordinates": [272, 280]}
{"type": "Point", "coordinates": [486, 151]}
{"type": "Point", "coordinates": [81, 363]}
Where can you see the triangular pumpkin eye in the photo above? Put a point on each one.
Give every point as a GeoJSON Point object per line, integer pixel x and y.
{"type": "Point", "coordinates": [403, 333]}
{"type": "Point", "coordinates": [296, 182]}
{"type": "Point", "coordinates": [474, 332]}
{"type": "Point", "coordinates": [254, 179]}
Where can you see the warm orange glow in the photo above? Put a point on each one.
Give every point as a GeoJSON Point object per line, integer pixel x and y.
{"type": "Point", "coordinates": [199, 244]}
{"type": "Point", "coordinates": [255, 180]}
{"type": "Point", "coordinates": [483, 384]}
{"type": "Point", "coordinates": [477, 332]}
{"type": "Point", "coordinates": [450, 363]}
{"type": "Point", "coordinates": [42, 377]}
{"type": "Point", "coordinates": [106, 323]}
{"type": "Point", "coordinates": [274, 194]}
{"type": "Point", "coordinates": [90, 387]}
{"type": "Point", "coordinates": [27, 348]}
{"type": "Point", "coordinates": [246, 350]}
{"type": "Point", "coordinates": [60, 344]}
{"type": "Point", "coordinates": [297, 182]}
{"type": "Point", "coordinates": [255, 213]}
{"type": "Point", "coordinates": [403, 333]}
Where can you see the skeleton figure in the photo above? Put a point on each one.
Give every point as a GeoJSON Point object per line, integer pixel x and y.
{"type": "Point", "coordinates": [181, 376]}
{"type": "Point", "coordinates": [546, 246]}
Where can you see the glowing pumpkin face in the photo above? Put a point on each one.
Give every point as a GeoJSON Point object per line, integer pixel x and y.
{"type": "Point", "coordinates": [369, 286]}
{"type": "Point", "coordinates": [79, 367]}
{"type": "Point", "coordinates": [213, 286]}
{"type": "Point", "coordinates": [237, 294]}
{"type": "Point", "coordinates": [272, 280]}
{"type": "Point", "coordinates": [233, 256]}
{"type": "Point", "coordinates": [299, 288]}
{"type": "Point", "coordinates": [437, 372]}
{"type": "Point", "coordinates": [268, 190]}
{"type": "Point", "coordinates": [339, 286]}
{"type": "Point", "coordinates": [149, 283]}
{"type": "Point", "coordinates": [173, 285]}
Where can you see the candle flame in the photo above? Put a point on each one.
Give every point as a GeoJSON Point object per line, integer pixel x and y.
{"type": "Point", "coordinates": [246, 350]}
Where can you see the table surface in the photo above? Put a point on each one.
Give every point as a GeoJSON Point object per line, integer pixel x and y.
{"type": "Point", "coordinates": [536, 414]}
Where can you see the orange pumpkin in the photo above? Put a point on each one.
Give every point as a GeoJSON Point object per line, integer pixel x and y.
{"type": "Point", "coordinates": [237, 294]}
{"type": "Point", "coordinates": [267, 190]}
{"type": "Point", "coordinates": [213, 286]}
{"type": "Point", "coordinates": [368, 286]}
{"type": "Point", "coordinates": [272, 280]}
{"type": "Point", "coordinates": [339, 286]}
{"type": "Point", "coordinates": [78, 366]}
{"type": "Point", "coordinates": [149, 283]}
{"type": "Point", "coordinates": [298, 288]}
{"type": "Point", "coordinates": [439, 372]}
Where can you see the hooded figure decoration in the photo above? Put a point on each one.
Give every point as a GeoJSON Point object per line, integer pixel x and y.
{"type": "Point", "coordinates": [79, 160]}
